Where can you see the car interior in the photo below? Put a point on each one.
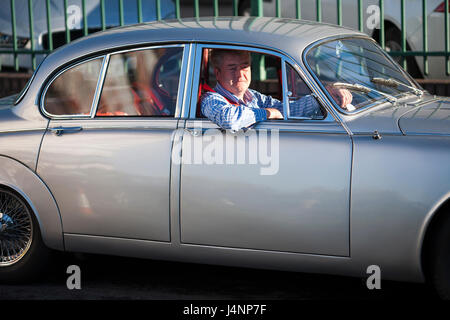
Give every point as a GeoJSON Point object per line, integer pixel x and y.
{"type": "Point", "coordinates": [266, 76]}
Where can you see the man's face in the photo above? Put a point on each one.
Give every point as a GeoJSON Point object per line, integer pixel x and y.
{"type": "Point", "coordinates": [234, 73]}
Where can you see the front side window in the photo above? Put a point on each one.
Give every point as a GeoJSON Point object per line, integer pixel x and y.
{"type": "Point", "coordinates": [301, 102]}
{"type": "Point", "coordinates": [358, 65]}
{"type": "Point", "coordinates": [142, 83]}
{"type": "Point", "coordinates": [72, 92]}
{"type": "Point", "coordinates": [233, 73]}
{"type": "Point", "coordinates": [261, 74]}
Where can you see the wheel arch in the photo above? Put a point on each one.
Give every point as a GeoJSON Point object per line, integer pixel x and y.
{"type": "Point", "coordinates": [20, 179]}
{"type": "Point", "coordinates": [433, 219]}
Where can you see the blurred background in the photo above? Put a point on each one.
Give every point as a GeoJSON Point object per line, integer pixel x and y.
{"type": "Point", "coordinates": [414, 32]}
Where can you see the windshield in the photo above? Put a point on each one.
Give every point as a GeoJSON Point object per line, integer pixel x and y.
{"type": "Point", "coordinates": [360, 66]}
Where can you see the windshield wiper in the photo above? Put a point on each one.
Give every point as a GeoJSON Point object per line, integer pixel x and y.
{"type": "Point", "coordinates": [364, 89]}
{"type": "Point", "coordinates": [395, 83]}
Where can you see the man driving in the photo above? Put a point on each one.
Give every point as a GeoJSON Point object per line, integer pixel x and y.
{"type": "Point", "coordinates": [232, 105]}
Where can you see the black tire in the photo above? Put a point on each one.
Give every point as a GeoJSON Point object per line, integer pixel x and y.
{"type": "Point", "coordinates": [23, 255]}
{"type": "Point", "coordinates": [440, 257]}
{"type": "Point", "coordinates": [393, 42]}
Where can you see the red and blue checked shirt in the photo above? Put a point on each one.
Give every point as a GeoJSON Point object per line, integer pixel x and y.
{"type": "Point", "coordinates": [229, 112]}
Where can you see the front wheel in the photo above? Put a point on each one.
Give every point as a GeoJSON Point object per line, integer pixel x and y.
{"type": "Point", "coordinates": [23, 254]}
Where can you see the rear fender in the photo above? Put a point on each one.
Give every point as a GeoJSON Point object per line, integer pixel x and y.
{"type": "Point", "coordinates": [25, 182]}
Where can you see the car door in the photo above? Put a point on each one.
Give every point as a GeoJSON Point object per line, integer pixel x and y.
{"type": "Point", "coordinates": [283, 185]}
{"type": "Point", "coordinates": [106, 153]}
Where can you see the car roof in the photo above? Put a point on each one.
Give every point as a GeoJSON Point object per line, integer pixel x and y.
{"type": "Point", "coordinates": [290, 36]}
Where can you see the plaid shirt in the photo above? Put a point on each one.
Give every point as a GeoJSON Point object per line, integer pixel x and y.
{"type": "Point", "coordinates": [229, 112]}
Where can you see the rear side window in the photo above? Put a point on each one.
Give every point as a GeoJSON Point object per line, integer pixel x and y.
{"type": "Point", "coordinates": [72, 92]}
{"type": "Point", "coordinates": [142, 83]}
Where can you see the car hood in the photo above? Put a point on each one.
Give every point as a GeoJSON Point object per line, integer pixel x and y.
{"type": "Point", "coordinates": [415, 115]}
{"type": "Point", "coordinates": [431, 118]}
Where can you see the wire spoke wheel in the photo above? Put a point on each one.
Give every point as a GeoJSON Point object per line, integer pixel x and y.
{"type": "Point", "coordinates": [16, 229]}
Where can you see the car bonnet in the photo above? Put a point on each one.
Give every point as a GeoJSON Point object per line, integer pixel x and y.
{"type": "Point", "coordinates": [431, 118]}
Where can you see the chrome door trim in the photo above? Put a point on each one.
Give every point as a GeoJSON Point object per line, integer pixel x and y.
{"type": "Point", "coordinates": [198, 61]}
{"type": "Point", "coordinates": [183, 71]}
{"type": "Point", "coordinates": [284, 88]}
{"type": "Point", "coordinates": [195, 79]}
{"type": "Point", "coordinates": [159, 46]}
{"type": "Point", "coordinates": [99, 88]}
{"type": "Point", "coordinates": [331, 116]}
{"type": "Point", "coordinates": [185, 81]}
{"type": "Point", "coordinates": [62, 130]}
{"type": "Point", "coordinates": [323, 99]}
{"type": "Point", "coordinates": [334, 38]}
{"type": "Point", "coordinates": [102, 77]}
{"type": "Point", "coordinates": [54, 77]}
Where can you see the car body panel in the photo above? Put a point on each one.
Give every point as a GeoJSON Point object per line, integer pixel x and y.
{"type": "Point", "coordinates": [432, 118]}
{"type": "Point", "coordinates": [386, 215]}
{"type": "Point", "coordinates": [385, 117]}
{"type": "Point", "coordinates": [133, 159]}
{"type": "Point", "coordinates": [250, 204]}
{"type": "Point", "coordinates": [20, 135]}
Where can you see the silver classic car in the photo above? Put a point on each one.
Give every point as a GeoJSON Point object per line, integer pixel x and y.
{"type": "Point", "coordinates": [107, 151]}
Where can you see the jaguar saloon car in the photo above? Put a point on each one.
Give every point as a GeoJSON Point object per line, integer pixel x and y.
{"type": "Point", "coordinates": [108, 150]}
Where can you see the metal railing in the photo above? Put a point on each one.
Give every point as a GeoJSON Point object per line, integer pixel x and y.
{"type": "Point", "coordinates": [256, 10]}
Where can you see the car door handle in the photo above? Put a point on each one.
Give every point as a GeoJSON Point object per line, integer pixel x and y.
{"type": "Point", "coordinates": [198, 132]}
{"type": "Point", "coordinates": [60, 130]}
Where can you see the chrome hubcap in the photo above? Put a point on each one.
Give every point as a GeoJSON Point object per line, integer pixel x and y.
{"type": "Point", "coordinates": [3, 223]}
{"type": "Point", "coordinates": [16, 229]}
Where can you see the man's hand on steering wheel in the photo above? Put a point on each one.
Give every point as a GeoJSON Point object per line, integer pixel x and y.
{"type": "Point", "coordinates": [343, 97]}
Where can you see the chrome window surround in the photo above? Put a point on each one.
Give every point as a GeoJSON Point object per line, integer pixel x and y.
{"type": "Point", "coordinates": [102, 77]}
{"type": "Point", "coordinates": [313, 75]}
{"type": "Point", "coordinates": [185, 84]}
{"type": "Point", "coordinates": [330, 116]}
{"type": "Point", "coordinates": [71, 116]}
{"type": "Point", "coordinates": [99, 88]}
{"type": "Point", "coordinates": [296, 68]}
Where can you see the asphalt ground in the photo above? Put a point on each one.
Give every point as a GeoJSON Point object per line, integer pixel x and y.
{"type": "Point", "coordinates": [116, 278]}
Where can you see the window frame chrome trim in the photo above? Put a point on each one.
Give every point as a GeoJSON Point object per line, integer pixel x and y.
{"type": "Point", "coordinates": [330, 116]}
{"type": "Point", "coordinates": [53, 78]}
{"type": "Point", "coordinates": [184, 87]}
{"type": "Point", "coordinates": [286, 111]}
{"type": "Point", "coordinates": [314, 76]}
{"type": "Point", "coordinates": [99, 89]}
{"type": "Point", "coordinates": [181, 84]}
{"type": "Point", "coordinates": [331, 113]}
{"type": "Point", "coordinates": [195, 80]}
